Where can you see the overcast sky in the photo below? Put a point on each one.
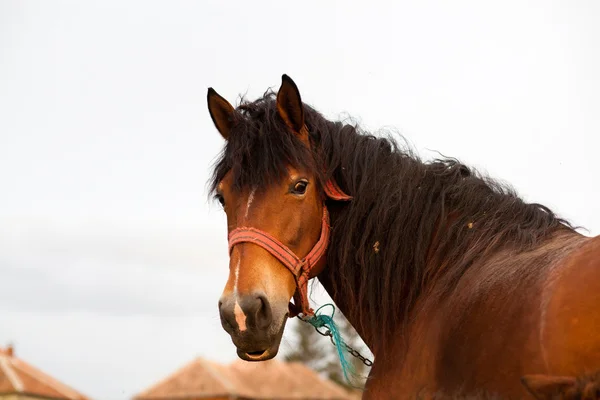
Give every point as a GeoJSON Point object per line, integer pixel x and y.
{"type": "Point", "coordinates": [111, 257]}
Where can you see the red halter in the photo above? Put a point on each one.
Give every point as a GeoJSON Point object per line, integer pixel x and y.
{"type": "Point", "coordinates": [300, 268]}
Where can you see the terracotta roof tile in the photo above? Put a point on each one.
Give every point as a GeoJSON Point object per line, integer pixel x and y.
{"type": "Point", "coordinates": [194, 379]}
{"type": "Point", "coordinates": [261, 380]}
{"type": "Point", "coordinates": [314, 385]}
{"type": "Point", "coordinates": [5, 384]}
{"type": "Point", "coordinates": [267, 379]}
{"type": "Point", "coordinates": [17, 376]}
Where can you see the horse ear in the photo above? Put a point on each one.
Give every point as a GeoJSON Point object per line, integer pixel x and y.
{"type": "Point", "coordinates": [221, 112]}
{"type": "Point", "coordinates": [289, 104]}
{"type": "Point", "coordinates": [546, 386]}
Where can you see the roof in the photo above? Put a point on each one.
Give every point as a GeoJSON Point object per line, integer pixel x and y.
{"type": "Point", "coordinates": [18, 377]}
{"type": "Point", "coordinates": [271, 379]}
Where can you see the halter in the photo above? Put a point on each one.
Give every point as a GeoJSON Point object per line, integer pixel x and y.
{"type": "Point", "coordinates": [300, 268]}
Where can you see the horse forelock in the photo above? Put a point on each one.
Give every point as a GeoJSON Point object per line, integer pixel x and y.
{"type": "Point", "coordinates": [261, 148]}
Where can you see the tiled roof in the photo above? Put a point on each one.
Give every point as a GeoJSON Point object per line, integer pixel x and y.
{"type": "Point", "coordinates": [195, 379]}
{"type": "Point", "coordinates": [260, 380]}
{"type": "Point", "coordinates": [17, 376]}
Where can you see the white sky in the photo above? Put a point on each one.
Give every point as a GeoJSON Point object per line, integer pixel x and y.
{"type": "Point", "coordinates": [111, 257]}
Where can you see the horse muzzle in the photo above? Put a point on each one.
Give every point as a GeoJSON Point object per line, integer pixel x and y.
{"type": "Point", "coordinates": [255, 327]}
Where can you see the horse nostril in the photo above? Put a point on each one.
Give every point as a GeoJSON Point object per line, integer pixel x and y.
{"type": "Point", "coordinates": [263, 315]}
{"type": "Point", "coordinates": [227, 315]}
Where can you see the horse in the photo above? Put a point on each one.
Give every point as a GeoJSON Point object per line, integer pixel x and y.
{"type": "Point", "coordinates": [452, 280]}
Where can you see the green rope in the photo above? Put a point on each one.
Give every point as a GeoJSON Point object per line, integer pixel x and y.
{"type": "Point", "coordinates": [319, 320]}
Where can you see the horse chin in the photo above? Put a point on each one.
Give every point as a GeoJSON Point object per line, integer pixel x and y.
{"type": "Point", "coordinates": [258, 355]}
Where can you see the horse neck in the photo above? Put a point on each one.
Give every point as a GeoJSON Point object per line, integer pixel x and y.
{"type": "Point", "coordinates": [351, 299]}
{"type": "Point", "coordinates": [342, 304]}
{"type": "Point", "coordinates": [379, 296]}
{"type": "Point", "coordinates": [347, 304]}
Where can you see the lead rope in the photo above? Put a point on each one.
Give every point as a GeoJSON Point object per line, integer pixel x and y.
{"type": "Point", "coordinates": [318, 321]}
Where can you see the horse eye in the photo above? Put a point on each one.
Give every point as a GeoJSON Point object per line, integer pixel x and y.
{"type": "Point", "coordinates": [300, 187]}
{"type": "Point", "coordinates": [220, 199]}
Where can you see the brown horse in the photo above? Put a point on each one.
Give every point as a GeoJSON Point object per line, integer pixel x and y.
{"type": "Point", "coordinates": [456, 284]}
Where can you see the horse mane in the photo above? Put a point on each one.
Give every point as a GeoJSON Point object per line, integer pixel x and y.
{"type": "Point", "coordinates": [381, 254]}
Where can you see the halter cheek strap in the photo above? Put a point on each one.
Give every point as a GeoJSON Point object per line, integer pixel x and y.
{"type": "Point", "coordinates": [300, 268]}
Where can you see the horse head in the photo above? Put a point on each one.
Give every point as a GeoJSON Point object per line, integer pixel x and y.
{"type": "Point", "coordinates": [273, 194]}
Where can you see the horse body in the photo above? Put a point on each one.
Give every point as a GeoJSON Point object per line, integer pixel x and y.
{"type": "Point", "coordinates": [509, 316]}
{"type": "Point", "coordinates": [456, 285]}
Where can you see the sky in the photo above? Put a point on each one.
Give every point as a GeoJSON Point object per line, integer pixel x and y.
{"type": "Point", "coordinates": [112, 257]}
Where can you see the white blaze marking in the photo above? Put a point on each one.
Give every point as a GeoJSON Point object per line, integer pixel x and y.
{"type": "Point", "coordinates": [240, 317]}
{"type": "Point", "coordinates": [237, 277]}
{"type": "Point", "coordinates": [250, 199]}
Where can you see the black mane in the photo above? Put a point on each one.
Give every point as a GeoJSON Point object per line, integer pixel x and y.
{"type": "Point", "coordinates": [381, 252]}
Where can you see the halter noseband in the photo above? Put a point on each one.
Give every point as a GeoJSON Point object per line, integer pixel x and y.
{"type": "Point", "coordinates": [300, 268]}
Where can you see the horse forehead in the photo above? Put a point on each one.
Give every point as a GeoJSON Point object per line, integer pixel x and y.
{"type": "Point", "coordinates": [252, 201]}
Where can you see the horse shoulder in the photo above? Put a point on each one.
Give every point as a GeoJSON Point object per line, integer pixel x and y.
{"type": "Point", "coordinates": [570, 325]}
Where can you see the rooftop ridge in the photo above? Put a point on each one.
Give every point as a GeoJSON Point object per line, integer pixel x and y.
{"type": "Point", "coordinates": [13, 378]}
{"type": "Point", "coordinates": [39, 375]}
{"type": "Point", "coordinates": [168, 377]}
{"type": "Point", "coordinates": [217, 375]}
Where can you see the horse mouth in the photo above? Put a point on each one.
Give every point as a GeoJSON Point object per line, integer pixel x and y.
{"type": "Point", "coordinates": [259, 355]}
